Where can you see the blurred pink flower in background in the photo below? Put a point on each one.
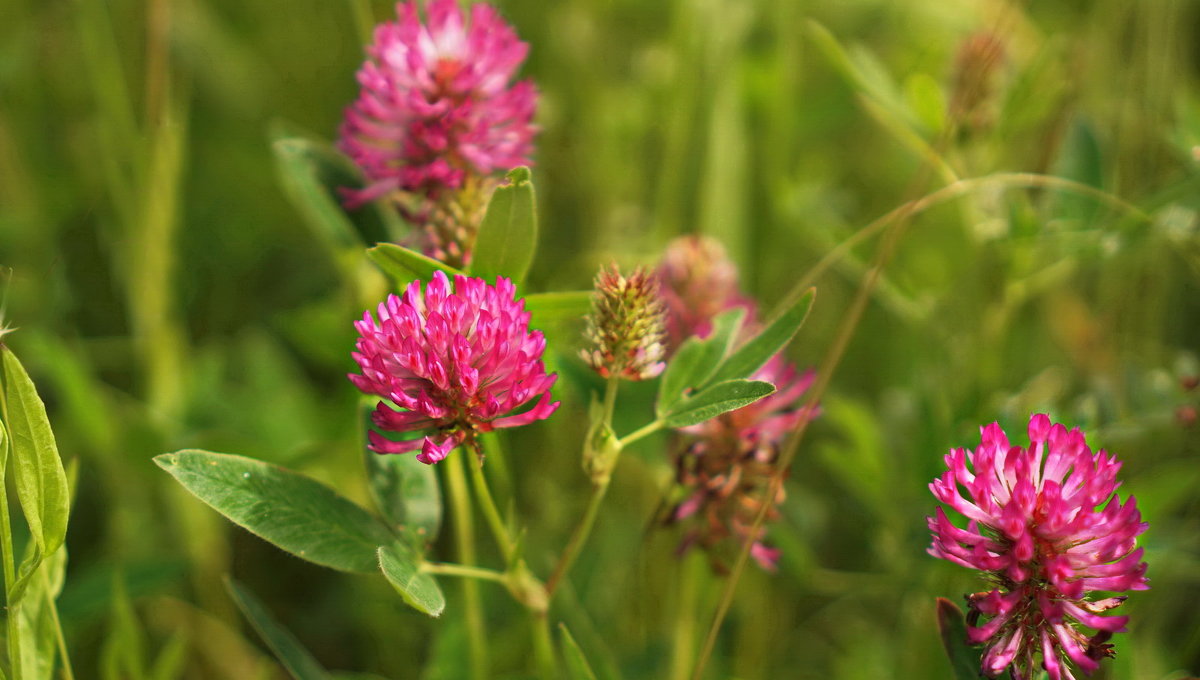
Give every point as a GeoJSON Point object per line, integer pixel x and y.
{"type": "Point", "coordinates": [726, 464]}
{"type": "Point", "coordinates": [1046, 525]}
{"type": "Point", "coordinates": [436, 104]}
{"type": "Point", "coordinates": [456, 361]}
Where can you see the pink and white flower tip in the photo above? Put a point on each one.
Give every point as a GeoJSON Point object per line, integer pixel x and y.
{"type": "Point", "coordinates": [436, 105]}
{"type": "Point", "coordinates": [456, 360]}
{"type": "Point", "coordinates": [1045, 524]}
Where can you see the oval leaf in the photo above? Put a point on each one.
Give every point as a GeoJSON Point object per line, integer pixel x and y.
{"type": "Point", "coordinates": [39, 476]}
{"type": "Point", "coordinates": [403, 265]}
{"type": "Point", "coordinates": [508, 234]}
{"type": "Point", "coordinates": [562, 306]}
{"type": "Point", "coordinates": [294, 657]}
{"type": "Point", "coordinates": [418, 589]}
{"type": "Point", "coordinates": [405, 491]}
{"type": "Point", "coordinates": [717, 399]}
{"type": "Point", "coordinates": [697, 360]}
{"type": "Point", "coordinates": [311, 173]}
{"type": "Point", "coordinates": [964, 660]}
{"type": "Point", "coordinates": [290, 510]}
{"type": "Point", "coordinates": [756, 351]}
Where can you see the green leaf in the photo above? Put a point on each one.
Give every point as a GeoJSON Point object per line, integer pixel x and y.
{"type": "Point", "coordinates": [577, 665]}
{"type": "Point", "coordinates": [402, 569]}
{"type": "Point", "coordinates": [35, 622]}
{"type": "Point", "coordinates": [715, 400]}
{"type": "Point", "coordinates": [508, 234]}
{"type": "Point", "coordinates": [964, 661]}
{"type": "Point", "coordinates": [405, 491]}
{"type": "Point", "coordinates": [294, 657]}
{"type": "Point", "coordinates": [290, 510]}
{"type": "Point", "coordinates": [756, 351]}
{"type": "Point", "coordinates": [697, 360]}
{"type": "Point", "coordinates": [311, 173]}
{"type": "Point", "coordinates": [39, 476]}
{"type": "Point", "coordinates": [403, 265]}
{"type": "Point", "coordinates": [562, 306]}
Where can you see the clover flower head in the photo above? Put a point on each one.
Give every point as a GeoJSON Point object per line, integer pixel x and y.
{"type": "Point", "coordinates": [727, 465]}
{"type": "Point", "coordinates": [698, 281]}
{"type": "Point", "coordinates": [1046, 525]}
{"type": "Point", "coordinates": [457, 360]}
{"type": "Point", "coordinates": [625, 327]}
{"type": "Point", "coordinates": [436, 105]}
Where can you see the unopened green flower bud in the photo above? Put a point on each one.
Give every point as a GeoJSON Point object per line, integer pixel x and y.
{"type": "Point", "coordinates": [625, 328]}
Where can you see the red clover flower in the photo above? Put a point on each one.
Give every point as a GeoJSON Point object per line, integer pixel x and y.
{"type": "Point", "coordinates": [1046, 525]}
{"type": "Point", "coordinates": [625, 327]}
{"type": "Point", "coordinates": [456, 361]}
{"type": "Point", "coordinates": [437, 117]}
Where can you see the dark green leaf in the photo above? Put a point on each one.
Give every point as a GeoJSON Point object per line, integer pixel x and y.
{"type": "Point", "coordinates": [715, 400]}
{"type": "Point", "coordinates": [697, 360]}
{"type": "Point", "coordinates": [39, 476]}
{"type": "Point", "coordinates": [405, 490]}
{"type": "Point", "coordinates": [755, 352]}
{"type": "Point", "coordinates": [577, 665]}
{"type": "Point", "coordinates": [964, 660]}
{"type": "Point", "coordinates": [403, 265]}
{"type": "Point", "coordinates": [288, 509]}
{"type": "Point", "coordinates": [311, 173]}
{"type": "Point", "coordinates": [508, 234]}
{"type": "Point", "coordinates": [402, 569]}
{"type": "Point", "coordinates": [294, 657]}
{"type": "Point", "coordinates": [552, 307]}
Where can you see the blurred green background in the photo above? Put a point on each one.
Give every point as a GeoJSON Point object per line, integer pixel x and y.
{"type": "Point", "coordinates": [168, 295]}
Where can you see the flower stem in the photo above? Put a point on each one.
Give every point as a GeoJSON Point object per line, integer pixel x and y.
{"type": "Point", "coordinates": [543, 646]}
{"type": "Point", "coordinates": [641, 432]}
{"type": "Point", "coordinates": [67, 672]}
{"type": "Point", "coordinates": [464, 538]}
{"type": "Point", "coordinates": [6, 556]}
{"type": "Point", "coordinates": [462, 571]}
{"type": "Point", "coordinates": [490, 512]}
{"type": "Point", "coordinates": [578, 538]}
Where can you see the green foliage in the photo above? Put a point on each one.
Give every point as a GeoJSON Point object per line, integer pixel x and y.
{"type": "Point", "coordinates": [507, 237]}
{"type": "Point", "coordinates": [289, 510]}
{"type": "Point", "coordinates": [964, 660]}
{"type": "Point", "coordinates": [38, 472]}
{"type": "Point", "coordinates": [714, 400]}
{"type": "Point", "coordinates": [405, 491]}
{"type": "Point", "coordinates": [577, 665]}
{"type": "Point", "coordinates": [697, 360]}
{"type": "Point", "coordinates": [294, 657]}
{"type": "Point", "coordinates": [402, 567]}
{"type": "Point", "coordinates": [402, 265]}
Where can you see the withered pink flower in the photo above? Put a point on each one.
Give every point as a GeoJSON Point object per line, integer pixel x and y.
{"type": "Point", "coordinates": [1046, 525]}
{"type": "Point", "coordinates": [456, 361]}
{"type": "Point", "coordinates": [436, 104]}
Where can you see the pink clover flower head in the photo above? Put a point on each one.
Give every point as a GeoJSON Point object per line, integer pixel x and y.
{"type": "Point", "coordinates": [1046, 525]}
{"type": "Point", "coordinates": [456, 360]}
{"type": "Point", "coordinates": [436, 104]}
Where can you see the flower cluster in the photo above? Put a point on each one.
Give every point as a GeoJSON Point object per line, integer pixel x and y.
{"type": "Point", "coordinates": [437, 117]}
{"type": "Point", "coordinates": [625, 328]}
{"type": "Point", "coordinates": [1046, 525]}
{"type": "Point", "coordinates": [726, 464]}
{"type": "Point", "coordinates": [456, 361]}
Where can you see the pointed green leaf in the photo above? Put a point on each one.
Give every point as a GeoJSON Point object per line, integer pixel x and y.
{"type": "Point", "coordinates": [405, 491]}
{"type": "Point", "coordinates": [715, 400]}
{"type": "Point", "coordinates": [294, 657]}
{"type": "Point", "coordinates": [312, 173]}
{"type": "Point", "coordinates": [508, 234]}
{"type": "Point", "coordinates": [964, 661]}
{"type": "Point", "coordinates": [36, 629]}
{"type": "Point", "coordinates": [756, 351]}
{"type": "Point", "coordinates": [40, 478]}
{"type": "Point", "coordinates": [290, 510]}
{"type": "Point", "coordinates": [577, 665]}
{"type": "Point", "coordinates": [403, 265]}
{"type": "Point", "coordinates": [403, 570]}
{"type": "Point", "coordinates": [561, 306]}
{"type": "Point", "coordinates": [697, 360]}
